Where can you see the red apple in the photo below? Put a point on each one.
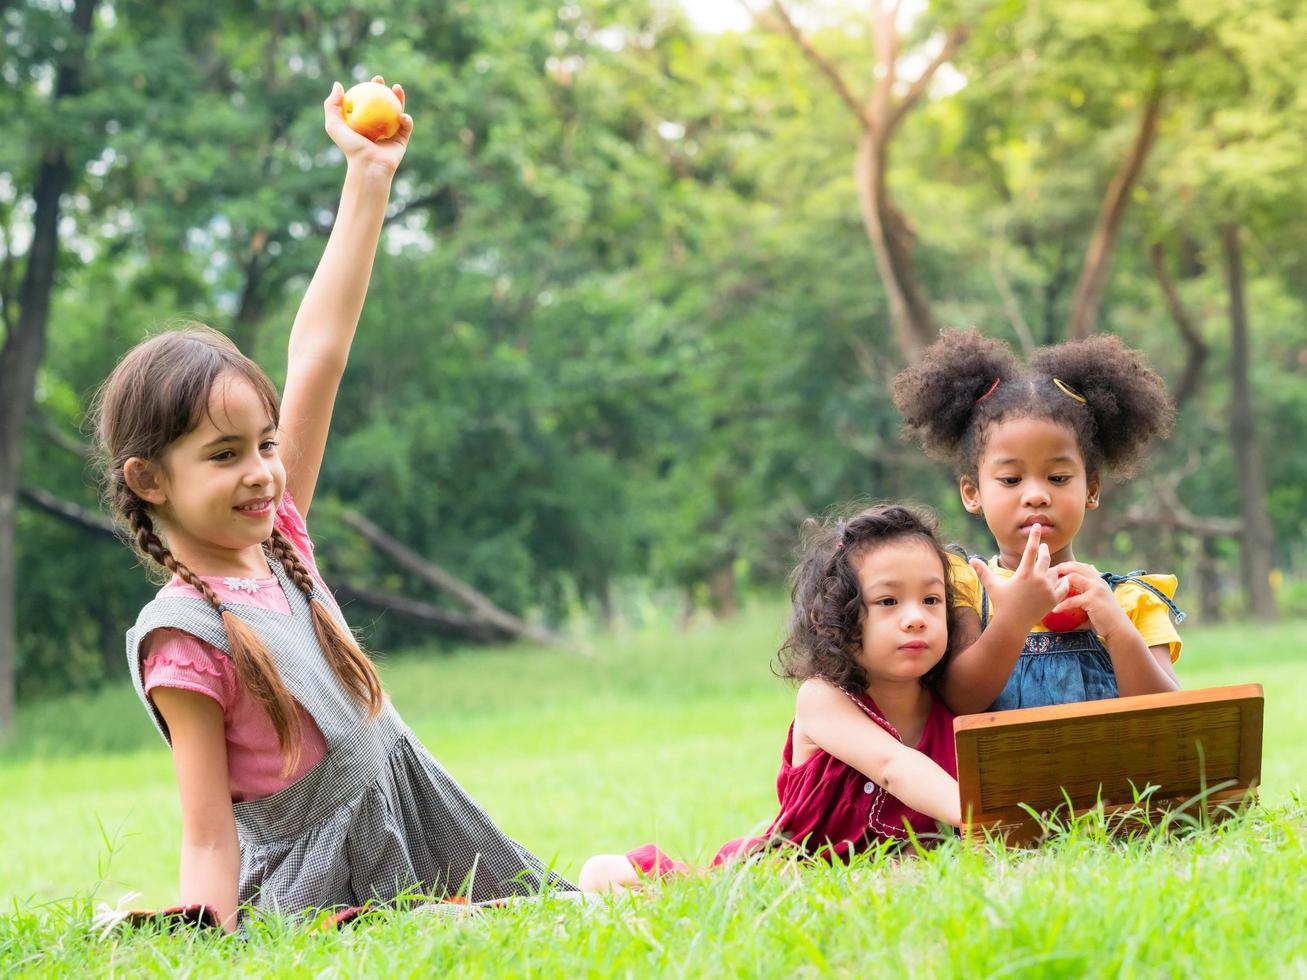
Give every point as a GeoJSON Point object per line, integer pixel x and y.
{"type": "Point", "coordinates": [372, 110]}
{"type": "Point", "coordinates": [1062, 622]}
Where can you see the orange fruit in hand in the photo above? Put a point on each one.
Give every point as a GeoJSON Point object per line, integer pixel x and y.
{"type": "Point", "coordinates": [372, 110]}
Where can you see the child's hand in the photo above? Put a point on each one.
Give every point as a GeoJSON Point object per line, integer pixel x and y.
{"type": "Point", "coordinates": [1030, 592]}
{"type": "Point", "coordinates": [1095, 597]}
{"type": "Point", "coordinates": [359, 150]}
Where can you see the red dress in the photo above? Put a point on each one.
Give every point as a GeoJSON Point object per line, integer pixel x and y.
{"type": "Point", "coordinates": [828, 807]}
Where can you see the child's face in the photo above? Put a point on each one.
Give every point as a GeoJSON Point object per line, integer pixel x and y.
{"type": "Point", "coordinates": [905, 610]}
{"type": "Point", "coordinates": [1031, 472]}
{"type": "Point", "coordinates": [217, 488]}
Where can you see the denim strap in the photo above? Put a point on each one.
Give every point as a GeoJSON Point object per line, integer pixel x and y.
{"type": "Point", "coordinates": [1177, 615]}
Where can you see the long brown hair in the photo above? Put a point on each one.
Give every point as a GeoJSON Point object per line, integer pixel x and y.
{"type": "Point", "coordinates": [157, 393]}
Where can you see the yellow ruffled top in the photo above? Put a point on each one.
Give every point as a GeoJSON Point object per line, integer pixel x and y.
{"type": "Point", "coordinates": [1148, 613]}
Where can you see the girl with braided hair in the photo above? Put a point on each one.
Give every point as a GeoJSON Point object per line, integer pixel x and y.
{"type": "Point", "coordinates": [1032, 446]}
{"type": "Point", "coordinates": [301, 788]}
{"type": "Point", "coordinates": [870, 758]}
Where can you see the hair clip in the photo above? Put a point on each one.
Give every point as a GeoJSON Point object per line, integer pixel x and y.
{"type": "Point", "coordinates": [1067, 390]}
{"type": "Point", "coordinates": [839, 545]}
{"type": "Point", "coordinates": [989, 391]}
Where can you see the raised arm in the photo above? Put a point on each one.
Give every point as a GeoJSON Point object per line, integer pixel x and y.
{"type": "Point", "coordinates": [983, 660]}
{"type": "Point", "coordinates": [329, 313]}
{"type": "Point", "coordinates": [825, 715]}
{"type": "Point", "coordinates": [211, 855]}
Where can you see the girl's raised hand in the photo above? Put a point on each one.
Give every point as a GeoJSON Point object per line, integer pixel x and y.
{"type": "Point", "coordinates": [1030, 592]}
{"type": "Point", "coordinates": [358, 149]}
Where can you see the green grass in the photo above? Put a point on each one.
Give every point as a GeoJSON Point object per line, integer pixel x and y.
{"type": "Point", "coordinates": [673, 737]}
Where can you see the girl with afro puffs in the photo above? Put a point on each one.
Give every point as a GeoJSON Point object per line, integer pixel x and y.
{"type": "Point", "coordinates": [1032, 446]}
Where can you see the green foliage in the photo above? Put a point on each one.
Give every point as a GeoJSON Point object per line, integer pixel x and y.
{"type": "Point", "coordinates": [625, 326]}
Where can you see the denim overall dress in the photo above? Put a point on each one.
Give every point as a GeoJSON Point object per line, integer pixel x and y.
{"type": "Point", "coordinates": [1064, 668]}
{"type": "Point", "coordinates": [377, 817]}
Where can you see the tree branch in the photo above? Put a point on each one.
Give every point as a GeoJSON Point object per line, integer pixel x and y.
{"type": "Point", "coordinates": [68, 511]}
{"type": "Point", "coordinates": [475, 626]}
{"type": "Point", "coordinates": [1169, 512]}
{"type": "Point", "coordinates": [952, 42]}
{"type": "Point", "coordinates": [819, 61]}
{"type": "Point", "coordinates": [64, 440]}
{"type": "Point", "coordinates": [885, 43]}
{"type": "Point", "coordinates": [1191, 379]}
{"type": "Point", "coordinates": [1102, 243]}
{"type": "Point", "coordinates": [443, 621]}
{"type": "Point", "coordinates": [480, 605]}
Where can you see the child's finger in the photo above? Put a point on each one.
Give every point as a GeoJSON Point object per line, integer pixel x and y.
{"type": "Point", "coordinates": [982, 572]}
{"type": "Point", "coordinates": [1042, 560]}
{"type": "Point", "coordinates": [403, 133]}
{"type": "Point", "coordinates": [1031, 550]}
{"type": "Point", "coordinates": [335, 98]}
{"type": "Point", "coordinates": [1080, 567]}
{"type": "Point", "coordinates": [1074, 602]}
{"type": "Point", "coordinates": [378, 79]}
{"type": "Point", "coordinates": [399, 92]}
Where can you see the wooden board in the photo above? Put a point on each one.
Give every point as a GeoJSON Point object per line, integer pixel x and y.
{"type": "Point", "coordinates": [1189, 744]}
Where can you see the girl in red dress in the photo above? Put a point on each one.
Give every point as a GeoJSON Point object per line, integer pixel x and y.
{"type": "Point", "coordinates": [869, 756]}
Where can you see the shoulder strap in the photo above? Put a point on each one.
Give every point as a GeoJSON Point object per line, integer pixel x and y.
{"type": "Point", "coordinates": [868, 708]}
{"type": "Point", "coordinates": [193, 616]}
{"type": "Point", "coordinates": [1113, 580]}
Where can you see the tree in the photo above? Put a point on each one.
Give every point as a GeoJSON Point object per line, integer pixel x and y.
{"type": "Point", "coordinates": [25, 332]}
{"type": "Point", "coordinates": [878, 116]}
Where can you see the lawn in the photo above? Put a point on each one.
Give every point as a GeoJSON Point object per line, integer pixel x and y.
{"type": "Point", "coordinates": [673, 737]}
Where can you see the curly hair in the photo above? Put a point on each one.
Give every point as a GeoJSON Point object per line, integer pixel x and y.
{"type": "Point", "coordinates": [825, 634]}
{"type": "Point", "coordinates": [1099, 388]}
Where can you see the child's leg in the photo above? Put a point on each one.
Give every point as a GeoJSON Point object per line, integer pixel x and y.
{"type": "Point", "coordinates": [608, 873]}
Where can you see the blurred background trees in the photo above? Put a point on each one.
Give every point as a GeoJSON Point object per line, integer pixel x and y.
{"type": "Point", "coordinates": [643, 287]}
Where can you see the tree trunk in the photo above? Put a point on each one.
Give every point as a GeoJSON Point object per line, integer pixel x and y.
{"type": "Point", "coordinates": [887, 230]}
{"type": "Point", "coordinates": [1257, 538]}
{"type": "Point", "coordinates": [1209, 581]}
{"type": "Point", "coordinates": [1196, 348]}
{"type": "Point", "coordinates": [891, 243]}
{"type": "Point", "coordinates": [24, 347]}
{"type": "Point", "coordinates": [249, 312]}
{"type": "Point", "coordinates": [1098, 259]}
{"type": "Point", "coordinates": [723, 596]}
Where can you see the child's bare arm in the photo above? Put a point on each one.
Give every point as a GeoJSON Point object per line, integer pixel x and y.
{"type": "Point", "coordinates": [835, 724]}
{"type": "Point", "coordinates": [324, 327]}
{"type": "Point", "coordinates": [210, 856]}
{"type": "Point", "coordinates": [983, 660]}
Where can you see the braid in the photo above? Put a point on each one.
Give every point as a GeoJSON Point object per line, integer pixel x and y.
{"type": "Point", "coordinates": [351, 665]}
{"type": "Point", "coordinates": [285, 552]}
{"type": "Point", "coordinates": [254, 663]}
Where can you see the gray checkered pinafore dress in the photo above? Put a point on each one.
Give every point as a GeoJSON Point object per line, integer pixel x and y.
{"type": "Point", "coordinates": [378, 817]}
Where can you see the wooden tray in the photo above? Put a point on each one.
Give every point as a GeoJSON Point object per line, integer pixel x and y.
{"type": "Point", "coordinates": [1201, 749]}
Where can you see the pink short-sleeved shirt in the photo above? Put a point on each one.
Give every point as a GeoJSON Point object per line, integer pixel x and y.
{"type": "Point", "coordinates": [172, 658]}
